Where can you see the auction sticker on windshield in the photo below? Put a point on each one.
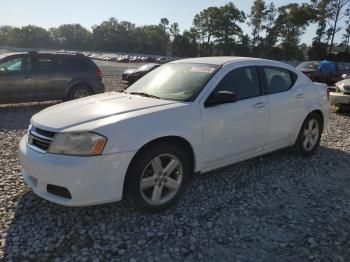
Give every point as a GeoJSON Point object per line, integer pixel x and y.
{"type": "Point", "coordinates": [202, 69]}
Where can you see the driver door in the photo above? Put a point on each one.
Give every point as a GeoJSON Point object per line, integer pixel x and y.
{"type": "Point", "coordinates": [16, 79]}
{"type": "Point", "coordinates": [235, 131]}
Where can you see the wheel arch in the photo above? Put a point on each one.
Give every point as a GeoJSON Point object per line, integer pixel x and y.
{"type": "Point", "coordinates": [315, 111]}
{"type": "Point", "coordinates": [77, 83]}
{"type": "Point", "coordinates": [175, 140]}
{"type": "Point", "coordinates": [319, 113]}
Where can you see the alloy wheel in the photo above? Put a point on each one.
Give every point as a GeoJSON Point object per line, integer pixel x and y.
{"type": "Point", "coordinates": [80, 93]}
{"type": "Point", "coordinates": [311, 135]}
{"type": "Point", "coordinates": [161, 179]}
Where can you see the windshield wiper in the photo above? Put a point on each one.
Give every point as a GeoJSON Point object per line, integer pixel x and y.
{"type": "Point", "coordinates": [144, 94]}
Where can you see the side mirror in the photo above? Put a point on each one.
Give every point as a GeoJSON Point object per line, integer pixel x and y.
{"type": "Point", "coordinates": [221, 97]}
{"type": "Point", "coordinates": [344, 76]}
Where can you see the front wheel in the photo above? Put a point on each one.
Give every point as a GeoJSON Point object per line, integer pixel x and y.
{"type": "Point", "coordinates": [157, 177]}
{"type": "Point", "coordinates": [309, 135]}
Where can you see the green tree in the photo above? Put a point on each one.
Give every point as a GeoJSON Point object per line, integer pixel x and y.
{"type": "Point", "coordinates": [218, 25]}
{"type": "Point", "coordinates": [15, 37]}
{"type": "Point", "coordinates": [321, 9]}
{"type": "Point", "coordinates": [204, 24]}
{"type": "Point", "coordinates": [290, 24]}
{"type": "Point", "coordinates": [152, 39]}
{"type": "Point", "coordinates": [271, 31]}
{"type": "Point", "coordinates": [174, 29]}
{"type": "Point", "coordinates": [112, 35]}
{"type": "Point", "coordinates": [346, 35]}
{"type": "Point", "coordinates": [226, 27]}
{"type": "Point", "coordinates": [257, 17]}
{"type": "Point", "coordinates": [184, 46]}
{"type": "Point", "coordinates": [337, 13]}
{"type": "Point", "coordinates": [71, 36]}
{"type": "Point", "coordinates": [34, 36]}
{"type": "Point", "coordinates": [4, 34]}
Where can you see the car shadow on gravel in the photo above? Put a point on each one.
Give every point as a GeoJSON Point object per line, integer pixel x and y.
{"type": "Point", "coordinates": [276, 207]}
{"type": "Point", "coordinates": [17, 116]}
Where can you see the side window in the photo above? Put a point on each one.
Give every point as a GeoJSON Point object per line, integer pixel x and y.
{"type": "Point", "coordinates": [46, 64]}
{"type": "Point", "coordinates": [76, 65]}
{"type": "Point", "coordinates": [244, 82]}
{"type": "Point", "coordinates": [278, 79]}
{"type": "Point", "coordinates": [12, 65]}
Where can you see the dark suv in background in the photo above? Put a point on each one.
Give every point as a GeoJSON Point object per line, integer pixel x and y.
{"type": "Point", "coordinates": [42, 76]}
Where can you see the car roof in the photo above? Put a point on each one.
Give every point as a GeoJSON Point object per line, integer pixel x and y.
{"type": "Point", "coordinates": [42, 53]}
{"type": "Point", "coordinates": [217, 60]}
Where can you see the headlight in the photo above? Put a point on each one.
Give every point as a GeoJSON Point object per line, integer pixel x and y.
{"type": "Point", "coordinates": [78, 144]}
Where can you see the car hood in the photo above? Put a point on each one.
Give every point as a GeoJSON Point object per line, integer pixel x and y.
{"type": "Point", "coordinates": [84, 110]}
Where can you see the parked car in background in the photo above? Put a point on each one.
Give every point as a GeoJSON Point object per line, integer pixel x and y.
{"type": "Point", "coordinates": [132, 75]}
{"type": "Point", "coordinates": [188, 116]}
{"type": "Point", "coordinates": [45, 76]}
{"type": "Point", "coordinates": [312, 70]}
{"type": "Point", "coordinates": [341, 97]}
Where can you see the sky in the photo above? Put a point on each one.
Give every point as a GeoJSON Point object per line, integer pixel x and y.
{"type": "Point", "coordinates": [52, 13]}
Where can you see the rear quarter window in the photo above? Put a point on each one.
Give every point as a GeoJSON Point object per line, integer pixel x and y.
{"type": "Point", "coordinates": [76, 64]}
{"type": "Point", "coordinates": [278, 79]}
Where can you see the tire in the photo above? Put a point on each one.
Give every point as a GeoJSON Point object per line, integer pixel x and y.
{"type": "Point", "coordinates": [149, 187]}
{"type": "Point", "coordinates": [309, 136]}
{"type": "Point", "coordinates": [80, 91]}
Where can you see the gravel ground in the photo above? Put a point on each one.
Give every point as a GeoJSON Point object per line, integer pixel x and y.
{"type": "Point", "coordinates": [273, 208]}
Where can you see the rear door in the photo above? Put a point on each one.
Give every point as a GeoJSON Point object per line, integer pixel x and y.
{"type": "Point", "coordinates": [52, 77]}
{"type": "Point", "coordinates": [286, 102]}
{"type": "Point", "coordinates": [16, 79]}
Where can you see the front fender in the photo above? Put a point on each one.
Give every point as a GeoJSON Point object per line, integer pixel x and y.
{"type": "Point", "coordinates": [131, 131]}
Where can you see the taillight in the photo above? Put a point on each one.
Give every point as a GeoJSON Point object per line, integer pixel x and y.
{"type": "Point", "coordinates": [99, 73]}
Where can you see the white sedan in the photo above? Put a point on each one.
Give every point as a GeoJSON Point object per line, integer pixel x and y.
{"type": "Point", "coordinates": [186, 117]}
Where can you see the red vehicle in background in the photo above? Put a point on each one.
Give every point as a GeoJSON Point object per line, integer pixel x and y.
{"type": "Point", "coordinates": [312, 70]}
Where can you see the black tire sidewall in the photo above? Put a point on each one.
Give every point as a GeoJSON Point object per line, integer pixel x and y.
{"type": "Point", "coordinates": [137, 166]}
{"type": "Point", "coordinates": [78, 87]}
{"type": "Point", "coordinates": [299, 148]}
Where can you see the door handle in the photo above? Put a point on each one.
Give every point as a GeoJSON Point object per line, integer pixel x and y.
{"type": "Point", "coordinates": [259, 105]}
{"type": "Point", "coordinates": [299, 96]}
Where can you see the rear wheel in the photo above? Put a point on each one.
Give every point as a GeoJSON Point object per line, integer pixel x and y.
{"type": "Point", "coordinates": [80, 91]}
{"type": "Point", "coordinates": [157, 177]}
{"type": "Point", "coordinates": [309, 135]}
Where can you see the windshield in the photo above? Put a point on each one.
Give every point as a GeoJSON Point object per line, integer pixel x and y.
{"type": "Point", "coordinates": [179, 82]}
{"type": "Point", "coordinates": [309, 65]}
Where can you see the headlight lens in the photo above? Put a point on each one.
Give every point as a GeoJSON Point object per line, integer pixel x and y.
{"type": "Point", "coordinates": [78, 144]}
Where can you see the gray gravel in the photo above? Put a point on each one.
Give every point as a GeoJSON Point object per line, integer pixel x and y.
{"type": "Point", "coordinates": [277, 207]}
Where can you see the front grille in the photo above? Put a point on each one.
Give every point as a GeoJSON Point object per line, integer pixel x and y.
{"type": "Point", "coordinates": [39, 138]}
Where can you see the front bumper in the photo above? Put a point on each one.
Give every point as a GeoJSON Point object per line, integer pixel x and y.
{"type": "Point", "coordinates": [339, 98]}
{"type": "Point", "coordinates": [89, 180]}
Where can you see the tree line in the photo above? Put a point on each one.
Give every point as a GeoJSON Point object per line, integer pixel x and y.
{"type": "Point", "coordinates": [275, 33]}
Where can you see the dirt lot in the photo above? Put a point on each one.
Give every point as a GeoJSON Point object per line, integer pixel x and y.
{"type": "Point", "coordinates": [273, 208]}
